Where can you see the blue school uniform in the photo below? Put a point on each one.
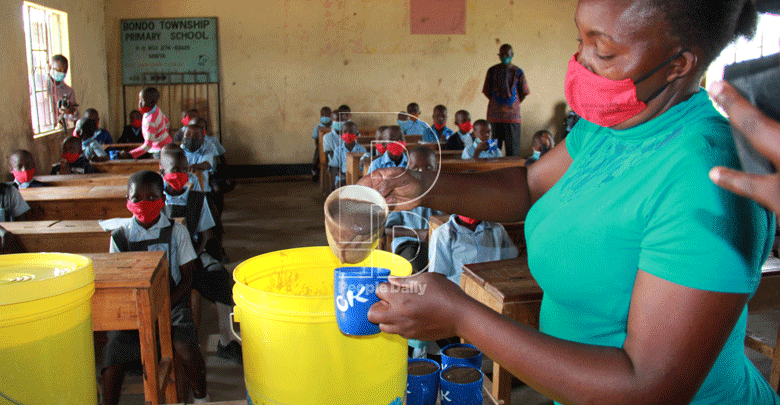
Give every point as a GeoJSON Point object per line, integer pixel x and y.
{"type": "Point", "coordinates": [385, 161]}
{"type": "Point", "coordinates": [416, 218]}
{"type": "Point", "coordinates": [206, 153]}
{"type": "Point", "coordinates": [414, 127]}
{"type": "Point", "coordinates": [103, 136]}
{"type": "Point", "coordinates": [453, 245]}
{"type": "Point", "coordinates": [92, 148]}
{"type": "Point", "coordinates": [316, 133]}
{"type": "Point", "coordinates": [431, 136]}
{"type": "Point", "coordinates": [330, 141]}
{"type": "Point", "coordinates": [340, 158]}
{"type": "Point", "coordinates": [492, 152]}
{"type": "Point", "coordinates": [216, 144]}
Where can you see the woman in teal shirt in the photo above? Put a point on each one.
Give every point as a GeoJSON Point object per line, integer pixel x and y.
{"type": "Point", "coordinates": [646, 265]}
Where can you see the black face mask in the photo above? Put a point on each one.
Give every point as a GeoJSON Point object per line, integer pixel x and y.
{"type": "Point", "coordinates": [192, 144]}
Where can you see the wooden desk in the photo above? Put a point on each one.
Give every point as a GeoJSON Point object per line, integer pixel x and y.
{"type": "Point", "coordinates": [508, 288]}
{"type": "Point", "coordinates": [71, 236]}
{"type": "Point", "coordinates": [131, 292]}
{"type": "Point", "coordinates": [127, 147]}
{"type": "Point", "coordinates": [76, 202]}
{"type": "Point", "coordinates": [480, 165]}
{"type": "Point", "coordinates": [91, 179]}
{"type": "Point", "coordinates": [127, 166]}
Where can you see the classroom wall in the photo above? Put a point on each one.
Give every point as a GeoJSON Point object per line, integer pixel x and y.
{"type": "Point", "coordinates": [281, 60]}
{"type": "Point", "coordinates": [87, 75]}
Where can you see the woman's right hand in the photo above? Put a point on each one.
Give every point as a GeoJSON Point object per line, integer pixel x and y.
{"type": "Point", "coordinates": [402, 189]}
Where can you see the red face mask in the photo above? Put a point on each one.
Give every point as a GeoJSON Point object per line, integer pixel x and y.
{"type": "Point", "coordinates": [144, 110]}
{"type": "Point", "coordinates": [380, 147]}
{"type": "Point", "coordinates": [146, 211]}
{"type": "Point", "coordinates": [468, 220]}
{"type": "Point", "coordinates": [603, 101]}
{"type": "Point", "coordinates": [136, 123]}
{"type": "Point", "coordinates": [71, 157]}
{"type": "Point", "coordinates": [396, 148]}
{"type": "Point", "coordinates": [24, 176]}
{"type": "Point", "coordinates": [177, 180]}
{"type": "Point", "coordinates": [438, 127]}
{"type": "Point", "coordinates": [185, 121]}
{"type": "Point", "coordinates": [465, 126]}
{"type": "Point", "coordinates": [348, 137]}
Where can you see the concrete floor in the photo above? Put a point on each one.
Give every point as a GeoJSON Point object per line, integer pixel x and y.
{"type": "Point", "coordinates": [261, 217]}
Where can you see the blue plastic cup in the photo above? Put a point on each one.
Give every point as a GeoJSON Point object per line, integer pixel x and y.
{"type": "Point", "coordinates": [354, 292]}
{"type": "Point", "coordinates": [461, 385]}
{"type": "Point", "coordinates": [113, 154]}
{"type": "Point", "coordinates": [461, 354]}
{"type": "Point", "coordinates": [422, 384]}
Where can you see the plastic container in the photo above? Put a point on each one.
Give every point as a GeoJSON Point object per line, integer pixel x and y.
{"type": "Point", "coordinates": [294, 353]}
{"type": "Point", "coordinates": [47, 354]}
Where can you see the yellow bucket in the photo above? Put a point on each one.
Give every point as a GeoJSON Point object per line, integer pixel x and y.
{"type": "Point", "coordinates": [46, 351]}
{"type": "Point", "coordinates": [294, 352]}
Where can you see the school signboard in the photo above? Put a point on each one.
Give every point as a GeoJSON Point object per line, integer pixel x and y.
{"type": "Point", "coordinates": [169, 50]}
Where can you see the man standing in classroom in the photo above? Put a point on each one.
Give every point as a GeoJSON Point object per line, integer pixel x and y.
{"type": "Point", "coordinates": [62, 96]}
{"type": "Point", "coordinates": [506, 88]}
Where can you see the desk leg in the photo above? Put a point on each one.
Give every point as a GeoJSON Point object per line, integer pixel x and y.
{"type": "Point", "coordinates": [502, 383]}
{"type": "Point", "coordinates": [166, 348]}
{"type": "Point", "coordinates": [148, 345]}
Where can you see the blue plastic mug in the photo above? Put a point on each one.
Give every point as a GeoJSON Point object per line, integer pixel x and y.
{"type": "Point", "coordinates": [113, 154]}
{"type": "Point", "coordinates": [461, 354]}
{"type": "Point", "coordinates": [422, 383]}
{"type": "Point", "coordinates": [461, 385]}
{"type": "Point", "coordinates": [354, 292]}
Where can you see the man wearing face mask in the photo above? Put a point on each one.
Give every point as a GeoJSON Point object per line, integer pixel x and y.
{"type": "Point", "coordinates": [506, 88]}
{"type": "Point", "coordinates": [62, 96]}
{"type": "Point", "coordinates": [201, 155]}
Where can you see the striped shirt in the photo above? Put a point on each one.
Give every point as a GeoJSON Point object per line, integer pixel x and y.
{"type": "Point", "coordinates": [154, 127]}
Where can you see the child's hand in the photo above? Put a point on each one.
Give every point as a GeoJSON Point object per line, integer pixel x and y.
{"type": "Point", "coordinates": [481, 147]}
{"type": "Point", "coordinates": [401, 188]}
{"type": "Point", "coordinates": [64, 166]}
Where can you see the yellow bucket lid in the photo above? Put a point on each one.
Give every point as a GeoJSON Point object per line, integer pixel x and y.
{"type": "Point", "coordinates": [27, 277]}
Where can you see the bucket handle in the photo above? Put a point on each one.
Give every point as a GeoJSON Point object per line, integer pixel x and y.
{"type": "Point", "coordinates": [232, 329]}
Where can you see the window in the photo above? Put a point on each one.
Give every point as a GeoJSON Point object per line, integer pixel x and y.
{"type": "Point", "coordinates": [46, 34]}
{"type": "Point", "coordinates": [766, 42]}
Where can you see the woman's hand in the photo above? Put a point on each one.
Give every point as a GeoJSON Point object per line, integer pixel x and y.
{"type": "Point", "coordinates": [402, 188]}
{"type": "Point", "coordinates": [764, 134]}
{"type": "Point", "coordinates": [426, 306]}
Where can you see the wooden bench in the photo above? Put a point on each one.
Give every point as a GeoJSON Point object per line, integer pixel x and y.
{"type": "Point", "coordinates": [76, 202]}
{"type": "Point", "coordinates": [126, 166]}
{"type": "Point", "coordinates": [480, 165]}
{"type": "Point", "coordinates": [92, 179]}
{"type": "Point", "coordinates": [126, 147]}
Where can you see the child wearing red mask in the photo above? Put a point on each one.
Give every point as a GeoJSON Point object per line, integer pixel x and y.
{"type": "Point", "coordinates": [151, 230]}
{"type": "Point", "coordinates": [413, 126]}
{"type": "Point", "coordinates": [210, 279]}
{"type": "Point", "coordinates": [22, 167]}
{"type": "Point", "coordinates": [186, 117]}
{"type": "Point", "coordinates": [484, 146]}
{"type": "Point", "coordinates": [132, 132]}
{"type": "Point", "coordinates": [154, 125]}
{"type": "Point", "coordinates": [438, 132]}
{"type": "Point", "coordinates": [73, 160]}
{"type": "Point", "coordinates": [392, 148]}
{"type": "Point", "coordinates": [463, 138]}
{"type": "Point", "coordinates": [338, 164]}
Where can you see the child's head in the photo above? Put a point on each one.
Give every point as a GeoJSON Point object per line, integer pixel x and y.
{"type": "Point", "coordinates": [413, 109]}
{"type": "Point", "coordinates": [145, 196]}
{"type": "Point", "coordinates": [349, 133]}
{"type": "Point", "coordinates": [393, 133]}
{"type": "Point", "coordinates": [173, 167]}
{"type": "Point", "coordinates": [71, 145]}
{"type": "Point", "coordinates": [439, 115]}
{"type": "Point", "coordinates": [193, 137]}
{"type": "Point", "coordinates": [344, 114]}
{"type": "Point", "coordinates": [199, 122]}
{"type": "Point", "coordinates": [325, 112]}
{"type": "Point", "coordinates": [85, 127]}
{"type": "Point", "coordinates": [148, 98]}
{"type": "Point", "coordinates": [462, 116]}
{"type": "Point", "coordinates": [505, 53]}
{"type": "Point", "coordinates": [93, 114]}
{"type": "Point", "coordinates": [135, 118]}
{"type": "Point", "coordinates": [542, 141]}
{"type": "Point", "coordinates": [380, 133]}
{"type": "Point", "coordinates": [59, 68]}
{"type": "Point", "coordinates": [422, 159]}
{"type": "Point", "coordinates": [188, 115]}
{"type": "Point", "coordinates": [21, 165]}
{"type": "Point", "coordinates": [482, 130]}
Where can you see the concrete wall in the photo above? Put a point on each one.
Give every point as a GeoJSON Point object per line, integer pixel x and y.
{"type": "Point", "coordinates": [87, 75]}
{"type": "Point", "coordinates": [281, 60]}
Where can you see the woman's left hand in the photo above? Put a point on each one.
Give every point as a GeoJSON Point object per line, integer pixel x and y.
{"type": "Point", "coordinates": [426, 306]}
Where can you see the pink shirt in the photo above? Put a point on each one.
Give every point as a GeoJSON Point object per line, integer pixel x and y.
{"type": "Point", "coordinates": [154, 128]}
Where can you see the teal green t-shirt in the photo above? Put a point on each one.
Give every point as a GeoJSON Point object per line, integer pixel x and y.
{"type": "Point", "coordinates": [641, 198]}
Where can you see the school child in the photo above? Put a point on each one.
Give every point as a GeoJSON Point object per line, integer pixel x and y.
{"type": "Point", "coordinates": [484, 146]}
{"type": "Point", "coordinates": [463, 138]}
{"type": "Point", "coordinates": [402, 118]}
{"type": "Point", "coordinates": [413, 126]}
{"type": "Point", "coordinates": [201, 155]}
{"type": "Point", "coordinates": [323, 126]}
{"type": "Point", "coordinates": [338, 165]}
{"type": "Point", "coordinates": [410, 228]}
{"type": "Point", "coordinates": [212, 139]}
{"type": "Point", "coordinates": [90, 147]}
{"type": "Point", "coordinates": [439, 131]}
{"type": "Point", "coordinates": [154, 125]}
{"type": "Point", "coordinates": [151, 230]}
{"type": "Point", "coordinates": [541, 143]}
{"type": "Point", "coordinates": [73, 160]}
{"type": "Point", "coordinates": [393, 152]}
{"type": "Point", "coordinates": [331, 140]}
{"type": "Point", "coordinates": [62, 96]}
{"type": "Point", "coordinates": [132, 133]}
{"type": "Point", "coordinates": [22, 167]}
{"type": "Point", "coordinates": [186, 117]}
{"type": "Point", "coordinates": [101, 135]}
{"type": "Point", "coordinates": [210, 279]}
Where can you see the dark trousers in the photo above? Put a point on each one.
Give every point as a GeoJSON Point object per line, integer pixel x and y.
{"type": "Point", "coordinates": [509, 133]}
